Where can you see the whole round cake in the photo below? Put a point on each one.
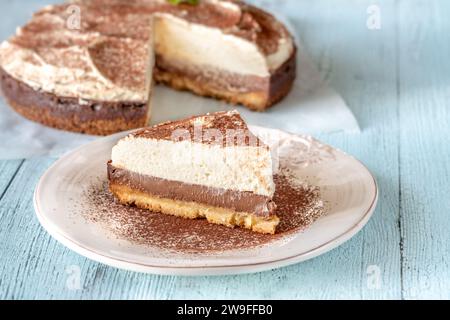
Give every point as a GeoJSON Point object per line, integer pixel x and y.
{"type": "Point", "coordinates": [89, 65]}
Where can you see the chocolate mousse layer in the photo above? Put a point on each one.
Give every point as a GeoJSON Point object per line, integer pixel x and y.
{"type": "Point", "coordinates": [247, 202]}
{"type": "Point", "coordinates": [257, 93]}
{"type": "Point", "coordinates": [86, 116]}
{"type": "Point", "coordinates": [233, 82]}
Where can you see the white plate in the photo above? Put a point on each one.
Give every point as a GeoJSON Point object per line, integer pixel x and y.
{"type": "Point", "coordinates": [347, 187]}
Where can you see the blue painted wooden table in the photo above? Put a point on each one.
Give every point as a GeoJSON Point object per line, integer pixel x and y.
{"type": "Point", "coordinates": [396, 77]}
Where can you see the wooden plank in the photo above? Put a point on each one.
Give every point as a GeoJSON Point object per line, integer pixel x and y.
{"type": "Point", "coordinates": [360, 64]}
{"type": "Point", "coordinates": [33, 264]}
{"type": "Point", "coordinates": [425, 153]}
{"type": "Point", "coordinates": [8, 170]}
{"type": "Point", "coordinates": [19, 230]}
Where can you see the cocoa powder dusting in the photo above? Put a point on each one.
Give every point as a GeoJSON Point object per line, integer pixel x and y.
{"type": "Point", "coordinates": [299, 206]}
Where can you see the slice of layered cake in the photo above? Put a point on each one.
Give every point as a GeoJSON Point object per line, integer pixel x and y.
{"type": "Point", "coordinates": [208, 166]}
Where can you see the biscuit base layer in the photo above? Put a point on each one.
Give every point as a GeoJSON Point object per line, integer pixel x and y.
{"type": "Point", "coordinates": [193, 210]}
{"type": "Point", "coordinates": [100, 127]}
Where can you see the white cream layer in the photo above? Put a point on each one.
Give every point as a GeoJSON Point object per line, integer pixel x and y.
{"type": "Point", "coordinates": [235, 168]}
{"type": "Point", "coordinates": [179, 40]}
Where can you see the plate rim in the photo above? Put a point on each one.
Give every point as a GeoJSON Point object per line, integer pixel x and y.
{"type": "Point", "coordinates": [199, 270]}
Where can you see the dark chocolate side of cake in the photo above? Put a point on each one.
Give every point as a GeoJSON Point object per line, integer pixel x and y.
{"type": "Point", "coordinates": [67, 113]}
{"type": "Point", "coordinates": [282, 80]}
